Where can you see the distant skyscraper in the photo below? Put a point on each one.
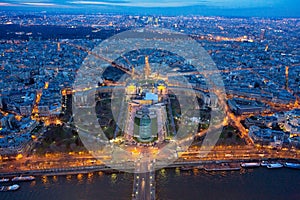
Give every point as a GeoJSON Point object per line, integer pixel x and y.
{"type": "Point", "coordinates": [58, 46]}
{"type": "Point", "coordinates": [156, 21]}
{"type": "Point", "coordinates": [147, 68]}
{"type": "Point", "coordinates": [150, 20]}
{"type": "Point", "coordinates": [262, 34]}
{"type": "Point", "coordinates": [286, 77]}
{"type": "Point", "coordinates": [132, 72]}
{"type": "Point", "coordinates": [3, 65]}
{"type": "Point", "coordinates": [267, 47]}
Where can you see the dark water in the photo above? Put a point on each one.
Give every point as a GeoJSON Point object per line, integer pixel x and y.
{"type": "Point", "coordinates": [171, 184]}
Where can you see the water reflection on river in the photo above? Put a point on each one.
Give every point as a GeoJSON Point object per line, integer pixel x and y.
{"type": "Point", "coordinates": [260, 183]}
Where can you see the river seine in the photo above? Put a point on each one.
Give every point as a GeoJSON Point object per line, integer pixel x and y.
{"type": "Point", "coordinates": [259, 183]}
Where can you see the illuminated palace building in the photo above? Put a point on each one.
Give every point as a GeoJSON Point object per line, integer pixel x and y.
{"type": "Point", "coordinates": [146, 117]}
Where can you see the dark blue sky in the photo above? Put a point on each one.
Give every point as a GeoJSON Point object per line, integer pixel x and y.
{"type": "Point", "coordinates": [260, 8]}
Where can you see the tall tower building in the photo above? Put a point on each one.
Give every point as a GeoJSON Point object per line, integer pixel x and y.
{"type": "Point", "coordinates": [3, 65]}
{"type": "Point", "coordinates": [58, 46]}
{"type": "Point", "coordinates": [156, 21]}
{"type": "Point", "coordinates": [147, 68]}
{"type": "Point", "coordinates": [132, 72]}
{"type": "Point", "coordinates": [286, 77]}
{"type": "Point", "coordinates": [262, 34]}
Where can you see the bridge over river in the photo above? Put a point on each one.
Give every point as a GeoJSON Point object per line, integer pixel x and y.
{"type": "Point", "coordinates": [144, 181]}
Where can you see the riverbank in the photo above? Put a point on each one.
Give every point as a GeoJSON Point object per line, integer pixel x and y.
{"type": "Point", "coordinates": [220, 165]}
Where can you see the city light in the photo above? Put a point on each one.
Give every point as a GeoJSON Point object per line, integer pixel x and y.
{"type": "Point", "coordinates": [85, 96]}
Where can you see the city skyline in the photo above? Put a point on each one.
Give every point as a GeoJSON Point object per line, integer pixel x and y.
{"type": "Point", "coordinates": [270, 8]}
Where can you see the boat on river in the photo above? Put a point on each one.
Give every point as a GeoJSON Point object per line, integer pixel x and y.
{"type": "Point", "coordinates": [292, 165]}
{"type": "Point", "coordinates": [23, 178]}
{"type": "Point", "coordinates": [9, 188]}
{"type": "Point", "coordinates": [274, 166]}
{"type": "Point", "coordinates": [250, 164]}
{"type": "Point", "coordinates": [222, 167]}
{"type": "Point", "coordinates": [4, 180]}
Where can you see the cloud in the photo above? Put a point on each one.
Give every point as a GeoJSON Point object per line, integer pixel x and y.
{"type": "Point", "coordinates": [39, 4]}
{"type": "Point", "coordinates": [219, 4]}
{"type": "Point", "coordinates": [138, 3]}
{"type": "Point", "coordinates": [95, 3]}
{"type": "Point", "coordinates": [6, 4]}
{"type": "Point", "coordinates": [176, 3]}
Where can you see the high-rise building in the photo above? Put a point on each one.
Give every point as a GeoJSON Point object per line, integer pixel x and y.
{"type": "Point", "coordinates": [156, 21]}
{"type": "Point", "coordinates": [58, 46]}
{"type": "Point", "coordinates": [147, 68]}
{"type": "Point", "coordinates": [3, 65]}
{"type": "Point", "coordinates": [132, 72]}
{"type": "Point", "coordinates": [286, 77]}
{"type": "Point", "coordinates": [262, 34]}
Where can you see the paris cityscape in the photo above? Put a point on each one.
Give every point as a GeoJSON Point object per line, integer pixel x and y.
{"type": "Point", "coordinates": [116, 105]}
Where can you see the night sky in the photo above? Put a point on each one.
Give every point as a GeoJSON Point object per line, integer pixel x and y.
{"type": "Point", "coordinates": [259, 8]}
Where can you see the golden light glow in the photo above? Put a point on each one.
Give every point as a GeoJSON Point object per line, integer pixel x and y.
{"type": "Point", "coordinates": [35, 109]}
{"type": "Point", "coordinates": [100, 173]}
{"type": "Point", "coordinates": [177, 171]}
{"type": "Point", "coordinates": [69, 177]}
{"type": "Point", "coordinates": [4, 113]}
{"type": "Point", "coordinates": [58, 122]}
{"type": "Point", "coordinates": [114, 178]}
{"type": "Point", "coordinates": [161, 87]}
{"type": "Point", "coordinates": [58, 46]}
{"type": "Point", "coordinates": [64, 92]}
{"type": "Point", "coordinates": [267, 47]}
{"type": "Point", "coordinates": [47, 123]}
{"type": "Point", "coordinates": [297, 105]}
{"type": "Point", "coordinates": [46, 85]}
{"type": "Point", "coordinates": [55, 178]}
{"type": "Point", "coordinates": [135, 151]}
{"type": "Point", "coordinates": [79, 177]}
{"type": "Point", "coordinates": [90, 175]}
{"type": "Point", "coordinates": [236, 39]}
{"type": "Point", "coordinates": [131, 89]}
{"type": "Point", "coordinates": [145, 102]}
{"type": "Point", "coordinates": [19, 156]}
{"type": "Point", "coordinates": [44, 179]}
{"type": "Point", "coordinates": [18, 117]}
